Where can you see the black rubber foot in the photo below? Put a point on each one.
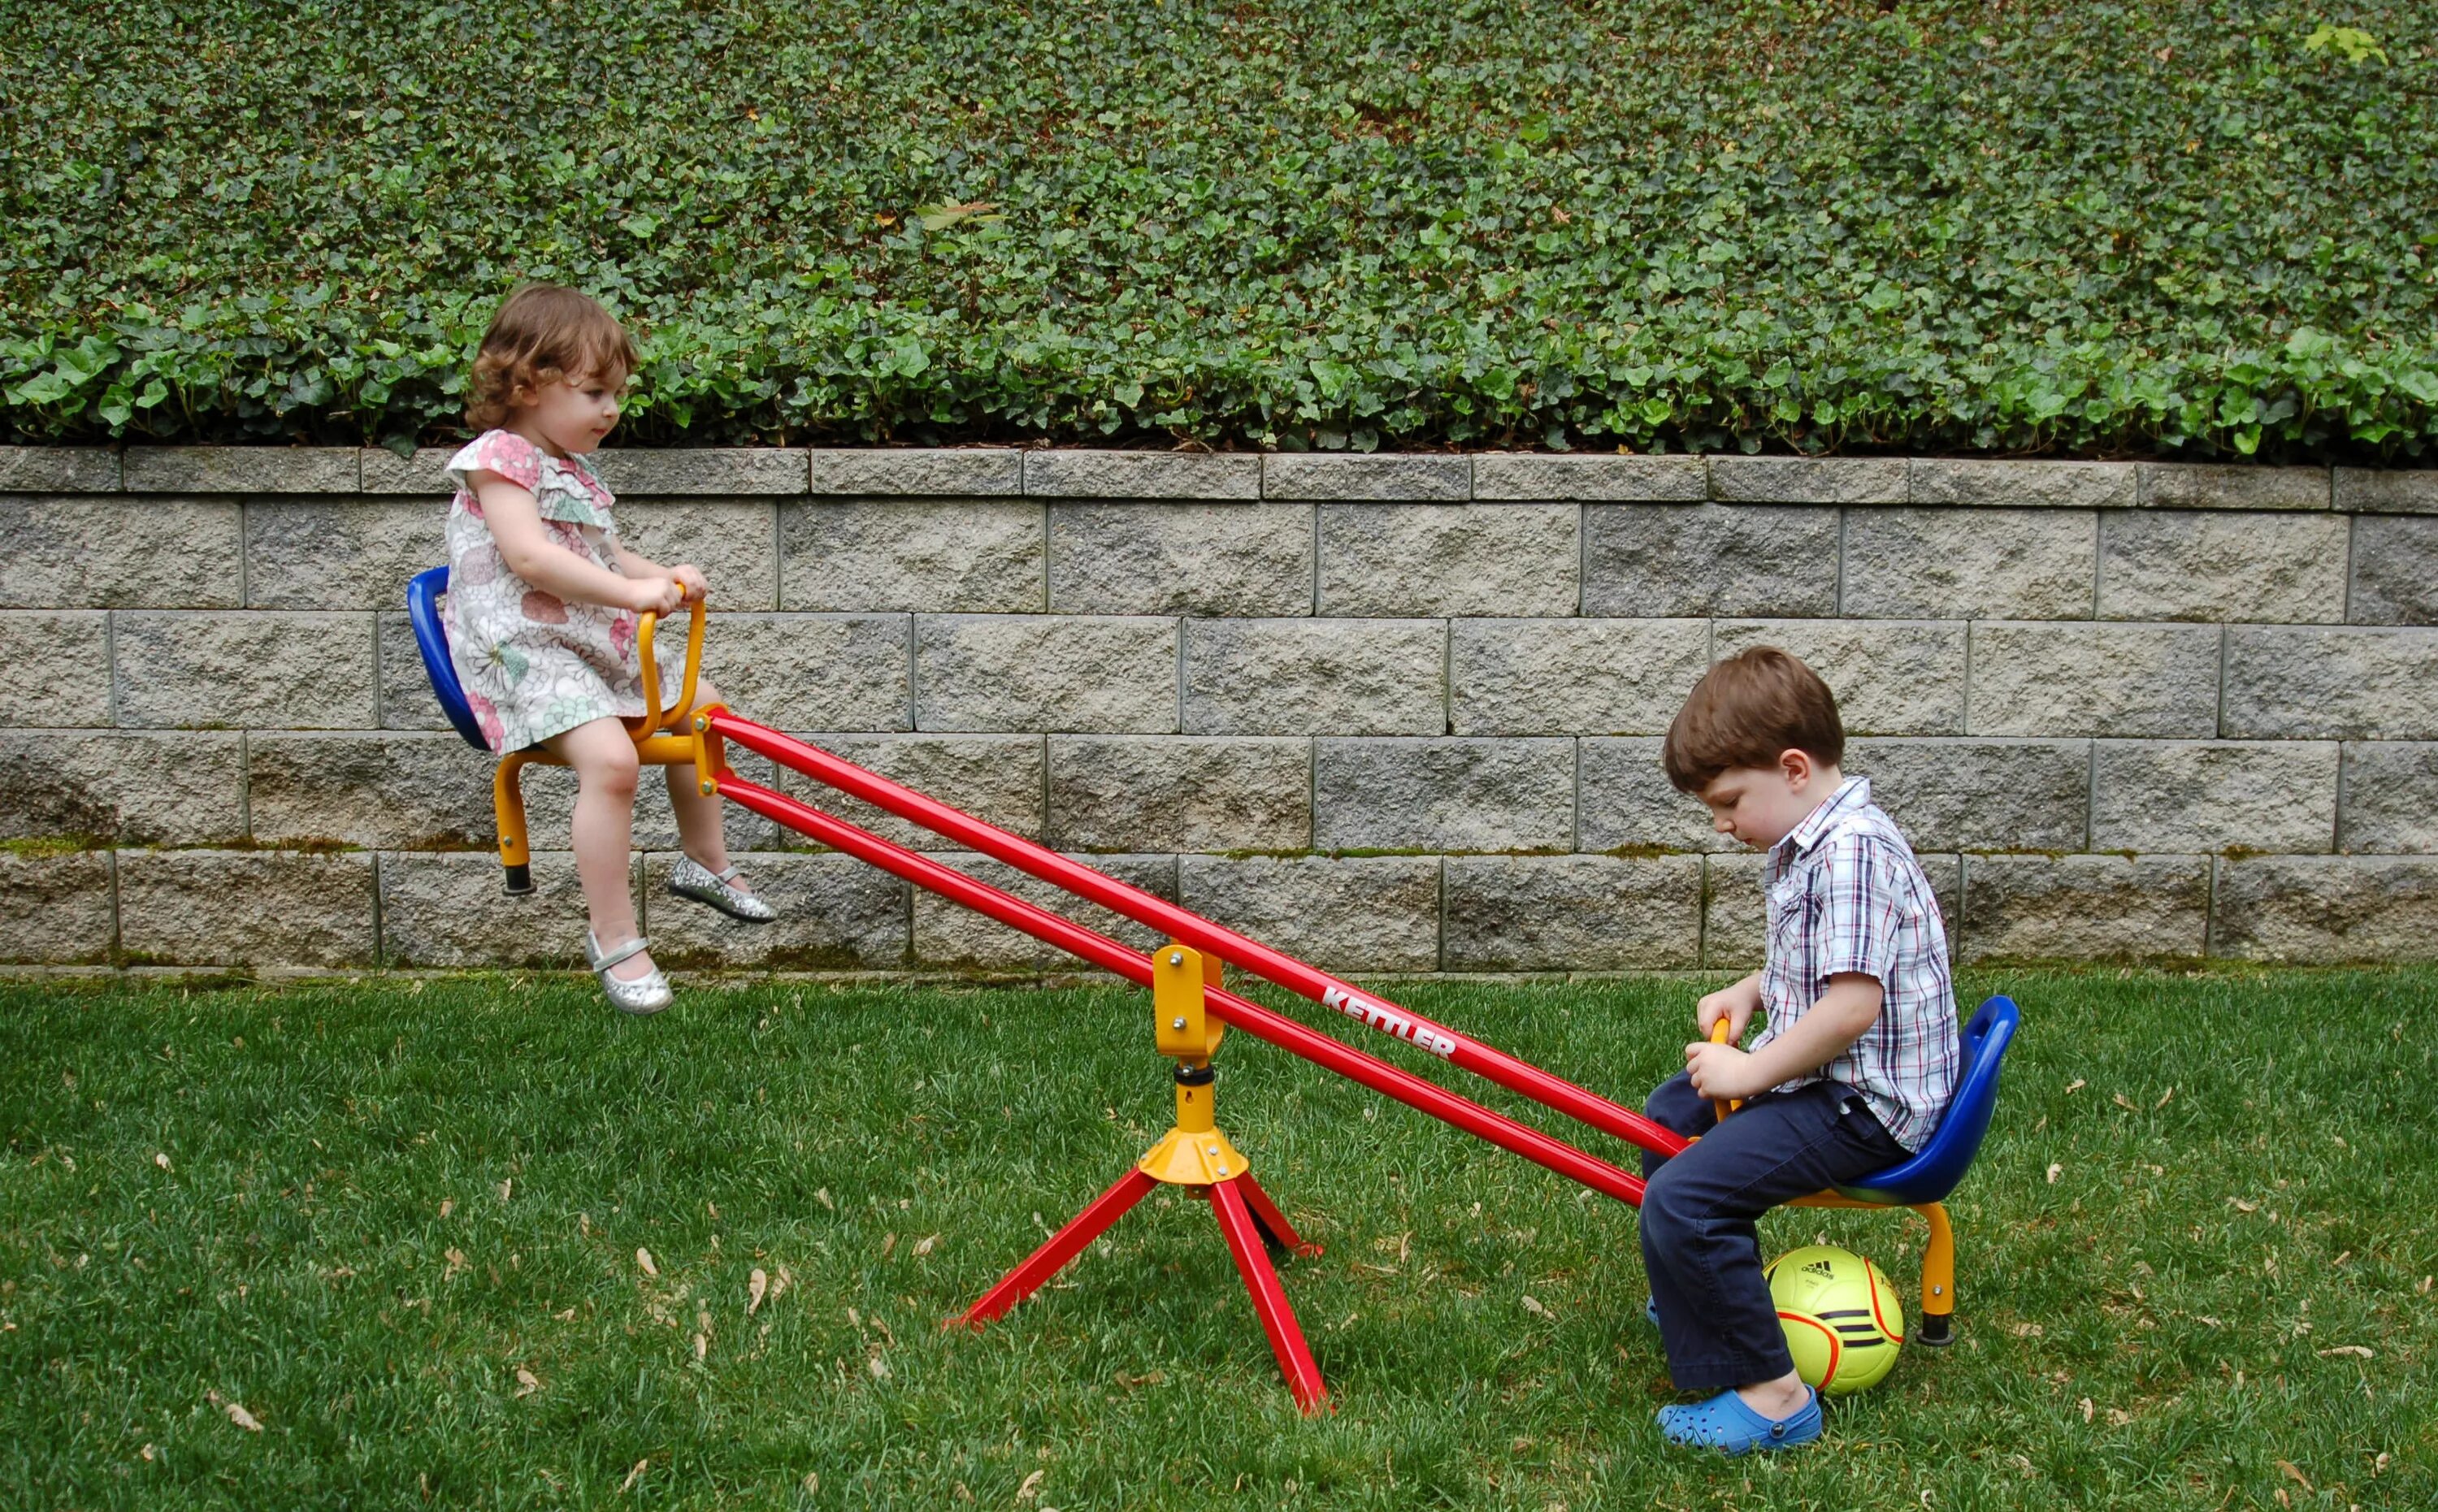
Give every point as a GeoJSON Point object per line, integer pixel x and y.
{"type": "Point", "coordinates": [1937, 1330]}
{"type": "Point", "coordinates": [519, 879]}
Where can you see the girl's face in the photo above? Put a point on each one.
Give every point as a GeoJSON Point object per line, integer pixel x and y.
{"type": "Point", "coordinates": [572, 414]}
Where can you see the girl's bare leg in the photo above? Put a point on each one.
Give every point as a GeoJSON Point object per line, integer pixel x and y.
{"type": "Point", "coordinates": [699, 827]}
{"type": "Point", "coordinates": [603, 755]}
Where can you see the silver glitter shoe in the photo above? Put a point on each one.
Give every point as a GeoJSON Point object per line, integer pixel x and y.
{"type": "Point", "coordinates": [644, 995]}
{"type": "Point", "coordinates": [690, 878]}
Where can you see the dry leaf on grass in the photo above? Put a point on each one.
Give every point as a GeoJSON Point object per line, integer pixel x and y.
{"type": "Point", "coordinates": [527, 1383]}
{"type": "Point", "coordinates": [2242, 1207]}
{"type": "Point", "coordinates": [456, 1259]}
{"type": "Point", "coordinates": [2163, 1102]}
{"type": "Point", "coordinates": [2077, 1085]}
{"type": "Point", "coordinates": [2287, 1468]}
{"type": "Point", "coordinates": [236, 1413]}
{"type": "Point", "coordinates": [162, 1160]}
{"type": "Point", "coordinates": [878, 1366]}
{"type": "Point", "coordinates": [823, 1197]}
{"type": "Point", "coordinates": [2086, 1409]}
{"type": "Point", "coordinates": [2057, 1169]}
{"type": "Point", "coordinates": [701, 1347]}
{"type": "Point", "coordinates": [644, 1260]}
{"type": "Point", "coordinates": [757, 1286]}
{"type": "Point", "coordinates": [632, 1476]}
{"type": "Point", "coordinates": [887, 1244]}
{"type": "Point", "coordinates": [1031, 1486]}
{"type": "Point", "coordinates": [505, 1187]}
{"type": "Point", "coordinates": [2127, 1103]}
{"type": "Point", "coordinates": [1532, 1305]}
{"type": "Point", "coordinates": [447, 1205]}
{"type": "Point", "coordinates": [2358, 1351]}
{"type": "Point", "coordinates": [2025, 1331]}
{"type": "Point", "coordinates": [923, 1246]}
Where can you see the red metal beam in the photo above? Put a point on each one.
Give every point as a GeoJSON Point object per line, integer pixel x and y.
{"type": "Point", "coordinates": [1369, 1009]}
{"type": "Point", "coordinates": [1242, 1013]}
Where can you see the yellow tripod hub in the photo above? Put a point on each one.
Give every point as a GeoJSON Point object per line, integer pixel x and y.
{"type": "Point", "coordinates": [1194, 1152]}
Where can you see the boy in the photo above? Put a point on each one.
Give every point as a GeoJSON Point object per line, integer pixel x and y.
{"type": "Point", "coordinates": [1857, 1063]}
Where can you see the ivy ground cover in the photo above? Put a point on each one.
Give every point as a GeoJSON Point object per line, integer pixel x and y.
{"type": "Point", "coordinates": [2180, 228]}
{"type": "Point", "coordinates": [480, 1242]}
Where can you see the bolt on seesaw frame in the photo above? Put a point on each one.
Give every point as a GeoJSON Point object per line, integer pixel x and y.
{"type": "Point", "coordinates": [1192, 1007]}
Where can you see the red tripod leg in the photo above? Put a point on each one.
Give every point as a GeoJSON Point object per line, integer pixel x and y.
{"type": "Point", "coordinates": [1269, 1298]}
{"type": "Point", "coordinates": [1276, 1230]}
{"type": "Point", "coordinates": [1062, 1246]}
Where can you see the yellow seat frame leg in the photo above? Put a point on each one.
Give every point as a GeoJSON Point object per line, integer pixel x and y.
{"type": "Point", "coordinates": [509, 808]}
{"type": "Point", "coordinates": [1937, 1279]}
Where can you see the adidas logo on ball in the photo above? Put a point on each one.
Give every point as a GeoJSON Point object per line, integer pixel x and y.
{"type": "Point", "coordinates": [1843, 1323]}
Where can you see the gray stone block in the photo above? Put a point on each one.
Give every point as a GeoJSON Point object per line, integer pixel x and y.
{"type": "Point", "coordinates": [1059, 673]}
{"type": "Point", "coordinates": [383, 471]}
{"type": "Point", "coordinates": [120, 553]}
{"type": "Point", "coordinates": [947, 935]}
{"type": "Point", "coordinates": [56, 911]}
{"type": "Point", "coordinates": [1342, 914]}
{"type": "Point", "coordinates": [2327, 908]}
{"type": "Point", "coordinates": [2022, 484]}
{"type": "Point", "coordinates": [997, 779]}
{"type": "Point", "coordinates": [238, 471]}
{"type": "Point", "coordinates": [245, 908]}
{"type": "Point", "coordinates": [58, 665]}
{"type": "Point", "coordinates": [59, 470]}
{"type": "Point", "coordinates": [1316, 677]}
{"type": "Point", "coordinates": [2300, 683]}
{"type": "Point", "coordinates": [291, 670]}
{"type": "Point", "coordinates": [137, 789]}
{"type": "Point", "coordinates": [918, 473]}
{"type": "Point", "coordinates": [2217, 565]}
{"type": "Point", "coordinates": [2391, 798]}
{"type": "Point", "coordinates": [406, 700]}
{"type": "Point", "coordinates": [1970, 564]}
{"type": "Point", "coordinates": [1810, 479]}
{"type": "Point", "coordinates": [448, 910]}
{"type": "Point", "coordinates": [942, 555]}
{"type": "Point", "coordinates": [1573, 913]}
{"type": "Point", "coordinates": [1519, 560]}
{"type": "Point", "coordinates": [1625, 801]}
{"type": "Point", "coordinates": [730, 539]}
{"type": "Point", "coordinates": [339, 554]}
{"type": "Point", "coordinates": [1391, 475]}
{"type": "Point", "coordinates": [1891, 676]}
{"type": "Point", "coordinates": [1180, 560]}
{"type": "Point", "coordinates": [2232, 485]}
{"type": "Point", "coordinates": [813, 671]}
{"type": "Point", "coordinates": [1980, 795]}
{"type": "Point", "coordinates": [1736, 916]}
{"type": "Point", "coordinates": [1665, 560]}
{"type": "Point", "coordinates": [1181, 793]}
{"type": "Point", "coordinates": [2213, 796]}
{"type": "Point", "coordinates": [2395, 570]}
{"type": "Point", "coordinates": [701, 470]}
{"type": "Point", "coordinates": [1443, 795]}
{"type": "Point", "coordinates": [2085, 908]}
{"type": "Point", "coordinates": [2386, 490]}
{"type": "Point", "coordinates": [1572, 676]}
{"type": "Point", "coordinates": [1142, 474]}
{"type": "Point", "coordinates": [834, 914]}
{"type": "Point", "coordinates": [2159, 681]}
{"type": "Point", "coordinates": [1541, 475]}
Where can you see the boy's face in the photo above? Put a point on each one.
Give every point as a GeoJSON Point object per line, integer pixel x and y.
{"type": "Point", "coordinates": [573, 413]}
{"type": "Point", "coordinates": [1761, 805]}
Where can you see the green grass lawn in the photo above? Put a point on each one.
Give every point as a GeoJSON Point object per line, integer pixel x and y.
{"type": "Point", "coordinates": [399, 1226]}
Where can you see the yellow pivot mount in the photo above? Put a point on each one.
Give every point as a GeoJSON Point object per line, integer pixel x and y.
{"type": "Point", "coordinates": [1193, 1154]}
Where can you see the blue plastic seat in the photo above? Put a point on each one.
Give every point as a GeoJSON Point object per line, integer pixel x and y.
{"type": "Point", "coordinates": [1935, 1170]}
{"type": "Point", "coordinates": [431, 639]}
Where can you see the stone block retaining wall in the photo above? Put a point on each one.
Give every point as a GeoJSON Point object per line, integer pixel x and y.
{"type": "Point", "coordinates": [1396, 713]}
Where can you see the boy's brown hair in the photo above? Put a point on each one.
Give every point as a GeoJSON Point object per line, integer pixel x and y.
{"type": "Point", "coordinates": [1745, 712]}
{"type": "Point", "coordinates": [542, 333]}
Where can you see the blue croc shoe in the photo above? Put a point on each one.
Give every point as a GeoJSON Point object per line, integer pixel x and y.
{"type": "Point", "coordinates": [1650, 1313]}
{"type": "Point", "coordinates": [1725, 1423]}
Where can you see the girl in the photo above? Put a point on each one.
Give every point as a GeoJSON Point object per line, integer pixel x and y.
{"type": "Point", "coordinates": [543, 606]}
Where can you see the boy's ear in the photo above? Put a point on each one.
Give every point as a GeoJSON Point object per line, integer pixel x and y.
{"type": "Point", "coordinates": [1797, 767]}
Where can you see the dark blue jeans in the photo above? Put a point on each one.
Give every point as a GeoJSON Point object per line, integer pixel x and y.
{"type": "Point", "coordinates": [1699, 1240]}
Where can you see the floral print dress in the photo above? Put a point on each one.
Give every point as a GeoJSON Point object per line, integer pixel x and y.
{"type": "Point", "coordinates": [532, 664]}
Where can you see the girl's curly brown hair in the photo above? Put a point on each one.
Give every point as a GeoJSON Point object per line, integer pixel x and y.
{"type": "Point", "coordinates": [543, 333]}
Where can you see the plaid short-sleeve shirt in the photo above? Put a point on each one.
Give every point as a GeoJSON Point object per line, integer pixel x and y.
{"type": "Point", "coordinates": [1846, 895]}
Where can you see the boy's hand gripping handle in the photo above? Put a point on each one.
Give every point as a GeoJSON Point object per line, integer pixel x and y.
{"type": "Point", "coordinates": [1723, 1105]}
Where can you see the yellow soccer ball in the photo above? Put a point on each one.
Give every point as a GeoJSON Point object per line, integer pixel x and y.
{"type": "Point", "coordinates": [1843, 1324]}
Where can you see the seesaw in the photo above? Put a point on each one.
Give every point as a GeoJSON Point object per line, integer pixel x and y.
{"type": "Point", "coordinates": [1192, 1007]}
